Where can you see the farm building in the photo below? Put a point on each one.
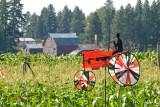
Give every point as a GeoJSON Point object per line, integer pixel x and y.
{"type": "Point", "coordinates": [60, 43]}
{"type": "Point", "coordinates": [23, 41]}
{"type": "Point", "coordinates": [83, 47]}
{"type": "Point", "coordinates": [32, 48]}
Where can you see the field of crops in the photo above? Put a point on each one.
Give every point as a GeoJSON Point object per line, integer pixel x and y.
{"type": "Point", "coordinates": [53, 83]}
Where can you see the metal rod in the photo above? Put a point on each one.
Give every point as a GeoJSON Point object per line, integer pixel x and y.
{"type": "Point", "coordinates": [105, 86]}
{"type": "Point", "coordinates": [83, 61]}
{"type": "Point", "coordinates": [31, 69]}
{"type": "Point", "coordinates": [24, 68]}
{"type": "Point", "coordinates": [95, 42]}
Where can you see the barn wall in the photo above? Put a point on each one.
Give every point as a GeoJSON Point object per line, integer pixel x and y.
{"type": "Point", "coordinates": [65, 49]}
{"type": "Point", "coordinates": [50, 47]}
{"type": "Point", "coordinates": [35, 51]}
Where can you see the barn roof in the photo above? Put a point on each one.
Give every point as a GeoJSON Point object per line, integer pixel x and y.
{"type": "Point", "coordinates": [83, 47]}
{"type": "Point", "coordinates": [27, 39]}
{"type": "Point", "coordinates": [86, 46]}
{"type": "Point", "coordinates": [75, 52]}
{"type": "Point", "coordinates": [65, 39]}
{"type": "Point", "coordinates": [34, 46]}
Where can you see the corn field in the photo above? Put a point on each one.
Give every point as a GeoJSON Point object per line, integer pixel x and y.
{"type": "Point", "coordinates": [53, 84]}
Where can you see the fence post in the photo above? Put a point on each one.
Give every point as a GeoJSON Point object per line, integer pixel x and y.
{"type": "Point", "coordinates": [158, 52]}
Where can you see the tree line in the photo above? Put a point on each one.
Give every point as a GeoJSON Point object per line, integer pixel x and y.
{"type": "Point", "coordinates": [139, 26]}
{"type": "Point", "coordinates": [11, 20]}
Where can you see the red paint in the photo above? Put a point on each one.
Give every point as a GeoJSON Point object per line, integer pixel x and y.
{"type": "Point", "coordinates": [97, 59]}
{"type": "Point", "coordinates": [128, 80]}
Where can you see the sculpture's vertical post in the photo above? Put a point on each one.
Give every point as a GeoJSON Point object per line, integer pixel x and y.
{"type": "Point", "coordinates": [95, 42]}
{"type": "Point", "coordinates": [24, 66]}
{"type": "Point", "coordinates": [105, 86]}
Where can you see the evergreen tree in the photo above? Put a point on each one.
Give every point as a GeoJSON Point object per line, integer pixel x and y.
{"type": "Point", "coordinates": [146, 23]}
{"type": "Point", "coordinates": [59, 22]}
{"type": "Point", "coordinates": [64, 20]}
{"type": "Point", "coordinates": [93, 26]}
{"type": "Point", "coordinates": [138, 24]}
{"type": "Point", "coordinates": [109, 16]}
{"type": "Point", "coordinates": [156, 23]}
{"type": "Point", "coordinates": [102, 14]}
{"type": "Point", "coordinates": [51, 21]}
{"type": "Point", "coordinates": [40, 28]}
{"type": "Point", "coordinates": [77, 23]}
{"type": "Point", "coordinates": [43, 18]}
{"type": "Point", "coordinates": [4, 15]}
{"type": "Point", "coordinates": [118, 23]}
{"type": "Point", "coordinates": [33, 26]}
{"type": "Point", "coordinates": [16, 19]}
{"type": "Point", "coordinates": [46, 22]}
{"type": "Point", "coordinates": [25, 27]}
{"type": "Point", "coordinates": [158, 4]}
{"type": "Point", "coordinates": [3, 41]}
{"type": "Point", "coordinates": [128, 29]}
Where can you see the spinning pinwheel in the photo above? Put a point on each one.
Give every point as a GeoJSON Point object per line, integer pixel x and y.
{"type": "Point", "coordinates": [124, 69]}
{"type": "Point", "coordinates": [84, 80]}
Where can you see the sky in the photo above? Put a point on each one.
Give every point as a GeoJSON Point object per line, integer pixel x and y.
{"type": "Point", "coordinates": [87, 6]}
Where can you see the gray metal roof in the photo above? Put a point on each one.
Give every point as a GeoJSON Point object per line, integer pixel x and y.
{"type": "Point", "coordinates": [26, 39]}
{"type": "Point", "coordinates": [34, 46]}
{"type": "Point", "coordinates": [65, 39]}
{"type": "Point", "coordinates": [86, 46]}
{"type": "Point", "coordinates": [63, 35]}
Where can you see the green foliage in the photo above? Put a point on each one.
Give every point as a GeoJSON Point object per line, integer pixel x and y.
{"type": "Point", "coordinates": [93, 26]}
{"type": "Point", "coordinates": [11, 19]}
{"type": "Point", "coordinates": [12, 59]}
{"type": "Point", "coordinates": [64, 20]}
{"type": "Point", "coordinates": [54, 94]}
{"type": "Point", "coordinates": [25, 27]}
{"type": "Point", "coordinates": [51, 23]}
{"type": "Point", "coordinates": [150, 55]}
{"type": "Point", "coordinates": [40, 26]}
{"type": "Point", "coordinates": [106, 17]}
{"type": "Point", "coordinates": [77, 23]}
{"type": "Point", "coordinates": [32, 25]}
{"type": "Point", "coordinates": [15, 21]}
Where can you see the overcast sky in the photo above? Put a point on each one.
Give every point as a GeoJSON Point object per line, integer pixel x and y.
{"type": "Point", "coordinates": [87, 6]}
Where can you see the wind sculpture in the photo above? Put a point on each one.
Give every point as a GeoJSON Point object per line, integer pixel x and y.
{"type": "Point", "coordinates": [123, 67]}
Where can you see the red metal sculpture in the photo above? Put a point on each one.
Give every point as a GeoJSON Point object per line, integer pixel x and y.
{"type": "Point", "coordinates": [123, 68]}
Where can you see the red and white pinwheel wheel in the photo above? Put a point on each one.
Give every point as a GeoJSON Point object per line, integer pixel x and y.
{"type": "Point", "coordinates": [84, 80]}
{"type": "Point", "coordinates": [124, 69]}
